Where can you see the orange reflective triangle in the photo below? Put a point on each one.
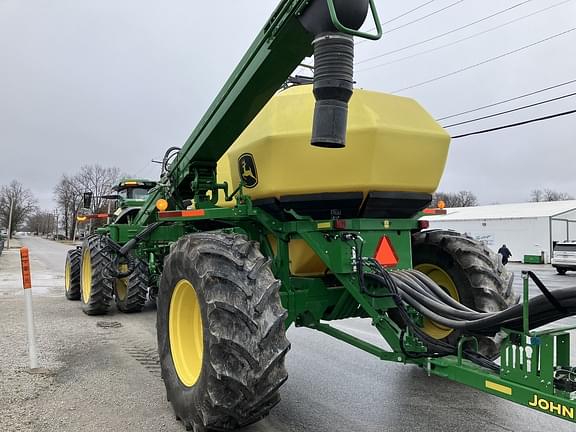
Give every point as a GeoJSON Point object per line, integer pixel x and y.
{"type": "Point", "coordinates": [385, 253]}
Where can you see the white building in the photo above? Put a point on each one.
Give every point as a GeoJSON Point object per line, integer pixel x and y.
{"type": "Point", "coordinates": [526, 228]}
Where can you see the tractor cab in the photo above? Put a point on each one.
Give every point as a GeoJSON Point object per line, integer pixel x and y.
{"type": "Point", "coordinates": [132, 193]}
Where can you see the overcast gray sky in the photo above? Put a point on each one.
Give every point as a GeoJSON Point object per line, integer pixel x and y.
{"type": "Point", "coordinates": [117, 82]}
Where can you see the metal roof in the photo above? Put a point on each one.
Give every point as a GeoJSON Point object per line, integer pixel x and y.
{"type": "Point", "coordinates": [507, 211]}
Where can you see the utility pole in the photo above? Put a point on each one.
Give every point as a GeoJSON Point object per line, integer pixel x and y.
{"type": "Point", "coordinates": [75, 231]}
{"type": "Point", "coordinates": [10, 222]}
{"type": "Point", "coordinates": [55, 220]}
{"type": "Point", "coordinates": [109, 208]}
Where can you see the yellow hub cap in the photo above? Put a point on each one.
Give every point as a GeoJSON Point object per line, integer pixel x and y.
{"type": "Point", "coordinates": [186, 335]}
{"type": "Point", "coordinates": [86, 275]}
{"type": "Point", "coordinates": [67, 275]}
{"type": "Point", "coordinates": [431, 328]}
{"type": "Point", "coordinates": [122, 284]}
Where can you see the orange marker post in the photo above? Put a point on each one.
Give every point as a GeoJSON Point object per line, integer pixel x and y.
{"type": "Point", "coordinates": [27, 285]}
{"type": "Point", "coordinates": [25, 259]}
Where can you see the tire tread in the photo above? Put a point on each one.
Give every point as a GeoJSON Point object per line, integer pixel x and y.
{"type": "Point", "coordinates": [246, 360]}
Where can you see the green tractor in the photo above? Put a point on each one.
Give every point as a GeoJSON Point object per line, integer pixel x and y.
{"type": "Point", "coordinates": [131, 292]}
{"type": "Point", "coordinates": [302, 207]}
{"type": "Point", "coordinates": [131, 195]}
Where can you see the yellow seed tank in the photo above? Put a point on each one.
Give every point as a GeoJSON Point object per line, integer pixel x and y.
{"type": "Point", "coordinates": [393, 145]}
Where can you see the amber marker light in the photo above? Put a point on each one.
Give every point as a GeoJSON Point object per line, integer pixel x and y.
{"type": "Point", "coordinates": [161, 204]}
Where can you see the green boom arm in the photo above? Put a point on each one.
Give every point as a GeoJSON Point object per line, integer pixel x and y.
{"type": "Point", "coordinates": [276, 52]}
{"type": "Point", "coordinates": [278, 49]}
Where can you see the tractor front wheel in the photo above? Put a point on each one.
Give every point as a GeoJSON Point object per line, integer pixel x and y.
{"type": "Point", "coordinates": [470, 273]}
{"type": "Point", "coordinates": [221, 335]}
{"type": "Point", "coordinates": [131, 291]}
{"type": "Point", "coordinates": [95, 285]}
{"type": "Point", "coordinates": [72, 275]}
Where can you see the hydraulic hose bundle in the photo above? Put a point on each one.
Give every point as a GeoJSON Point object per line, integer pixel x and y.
{"type": "Point", "coordinates": [436, 348]}
{"type": "Point", "coordinates": [424, 295]}
{"type": "Point", "coordinates": [122, 253]}
{"type": "Point", "coordinates": [413, 288]}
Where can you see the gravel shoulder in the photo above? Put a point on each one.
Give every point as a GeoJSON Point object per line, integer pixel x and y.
{"type": "Point", "coordinates": [96, 373]}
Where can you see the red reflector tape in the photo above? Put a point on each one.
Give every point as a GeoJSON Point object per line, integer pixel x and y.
{"type": "Point", "coordinates": [193, 213]}
{"type": "Point", "coordinates": [385, 253]}
{"type": "Point", "coordinates": [339, 224]}
{"type": "Point", "coordinates": [81, 218]}
{"type": "Point", "coordinates": [181, 213]}
{"type": "Point", "coordinates": [434, 211]}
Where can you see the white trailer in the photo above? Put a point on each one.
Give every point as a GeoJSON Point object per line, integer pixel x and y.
{"type": "Point", "coordinates": [526, 228]}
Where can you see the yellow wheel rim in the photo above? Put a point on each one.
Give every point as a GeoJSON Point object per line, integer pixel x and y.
{"type": "Point", "coordinates": [86, 275]}
{"type": "Point", "coordinates": [186, 335]}
{"type": "Point", "coordinates": [67, 275]}
{"type": "Point", "coordinates": [121, 285]}
{"type": "Point", "coordinates": [431, 328]}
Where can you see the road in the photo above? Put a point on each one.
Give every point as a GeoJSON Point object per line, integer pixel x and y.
{"type": "Point", "coordinates": [102, 373]}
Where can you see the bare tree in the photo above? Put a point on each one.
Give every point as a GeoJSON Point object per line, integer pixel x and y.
{"type": "Point", "coordinates": [466, 199]}
{"type": "Point", "coordinates": [41, 222]}
{"type": "Point", "coordinates": [70, 189]}
{"type": "Point", "coordinates": [99, 181]}
{"type": "Point", "coordinates": [538, 195]}
{"type": "Point", "coordinates": [24, 204]}
{"type": "Point", "coordinates": [455, 199]}
{"type": "Point", "coordinates": [69, 198]}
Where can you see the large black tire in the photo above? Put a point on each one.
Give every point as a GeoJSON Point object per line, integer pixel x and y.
{"type": "Point", "coordinates": [131, 292]}
{"type": "Point", "coordinates": [481, 281]}
{"type": "Point", "coordinates": [243, 334]}
{"type": "Point", "coordinates": [72, 275]}
{"type": "Point", "coordinates": [96, 287]}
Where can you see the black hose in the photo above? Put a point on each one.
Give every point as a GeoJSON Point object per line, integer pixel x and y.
{"type": "Point", "coordinates": [122, 254]}
{"type": "Point", "coordinates": [425, 296]}
{"type": "Point", "coordinates": [399, 285]}
{"type": "Point", "coordinates": [112, 271]}
{"type": "Point", "coordinates": [440, 293]}
{"type": "Point", "coordinates": [439, 348]}
{"type": "Point", "coordinates": [419, 293]}
{"type": "Point", "coordinates": [168, 155]}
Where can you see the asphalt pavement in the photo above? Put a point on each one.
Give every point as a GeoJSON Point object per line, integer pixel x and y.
{"type": "Point", "coordinates": [102, 373]}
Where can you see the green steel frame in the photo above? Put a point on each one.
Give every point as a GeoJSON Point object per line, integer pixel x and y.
{"type": "Point", "coordinates": [529, 360]}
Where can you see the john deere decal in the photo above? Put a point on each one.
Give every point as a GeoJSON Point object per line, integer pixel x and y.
{"type": "Point", "coordinates": [248, 172]}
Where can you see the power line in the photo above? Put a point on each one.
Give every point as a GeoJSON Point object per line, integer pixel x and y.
{"type": "Point", "coordinates": [406, 13]}
{"type": "Point", "coordinates": [507, 100]}
{"type": "Point", "coordinates": [511, 110]}
{"type": "Point", "coordinates": [485, 61]}
{"type": "Point", "coordinates": [145, 167]}
{"type": "Point", "coordinates": [443, 34]}
{"type": "Point", "coordinates": [459, 40]}
{"type": "Point", "coordinates": [394, 19]}
{"type": "Point", "coordinates": [424, 17]}
{"type": "Point", "coordinates": [522, 123]}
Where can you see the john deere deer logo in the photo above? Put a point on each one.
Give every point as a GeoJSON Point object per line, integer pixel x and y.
{"type": "Point", "coordinates": [248, 171]}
